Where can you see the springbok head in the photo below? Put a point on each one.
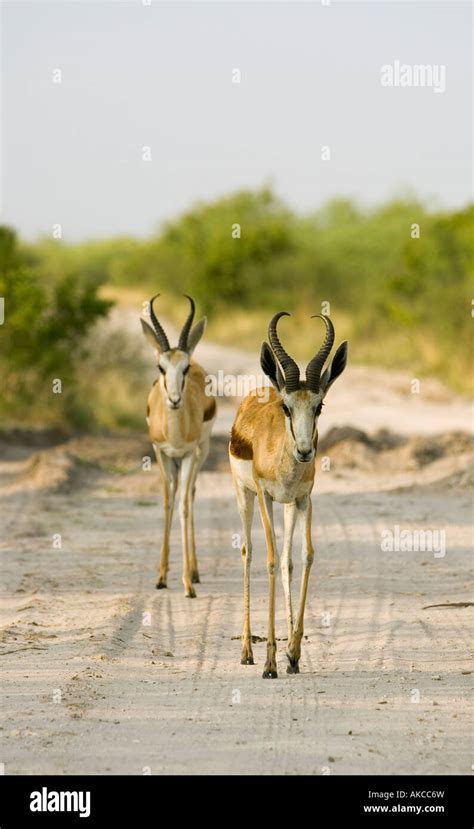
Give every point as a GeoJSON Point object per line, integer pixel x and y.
{"type": "Point", "coordinates": [302, 400]}
{"type": "Point", "coordinates": [173, 363]}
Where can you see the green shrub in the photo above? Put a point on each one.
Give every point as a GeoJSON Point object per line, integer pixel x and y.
{"type": "Point", "coordinates": [44, 335]}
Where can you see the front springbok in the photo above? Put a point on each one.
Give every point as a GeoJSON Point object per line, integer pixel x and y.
{"type": "Point", "coordinates": [180, 416]}
{"type": "Point", "coordinates": [272, 456]}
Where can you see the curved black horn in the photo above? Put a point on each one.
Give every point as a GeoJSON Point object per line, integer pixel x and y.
{"type": "Point", "coordinates": [183, 337]}
{"type": "Point", "coordinates": [290, 368]}
{"type": "Point", "coordinates": [315, 366]}
{"type": "Point", "coordinates": [160, 334]}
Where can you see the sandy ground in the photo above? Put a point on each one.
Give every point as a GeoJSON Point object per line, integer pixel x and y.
{"type": "Point", "coordinates": [104, 674]}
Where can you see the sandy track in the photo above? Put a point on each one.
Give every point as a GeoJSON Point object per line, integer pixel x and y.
{"type": "Point", "coordinates": [165, 691]}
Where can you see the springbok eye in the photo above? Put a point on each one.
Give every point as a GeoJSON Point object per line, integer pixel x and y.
{"type": "Point", "coordinates": [185, 371]}
{"type": "Point", "coordinates": [319, 408]}
{"type": "Point", "coordinates": [285, 410]}
{"type": "Point", "coordinates": [162, 369]}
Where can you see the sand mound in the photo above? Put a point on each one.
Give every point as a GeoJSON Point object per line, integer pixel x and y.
{"type": "Point", "coordinates": [49, 468]}
{"type": "Point", "coordinates": [78, 461]}
{"type": "Point", "coordinates": [354, 449]}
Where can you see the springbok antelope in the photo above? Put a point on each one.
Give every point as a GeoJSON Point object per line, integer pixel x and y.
{"type": "Point", "coordinates": [180, 416]}
{"type": "Point", "coordinates": [272, 456]}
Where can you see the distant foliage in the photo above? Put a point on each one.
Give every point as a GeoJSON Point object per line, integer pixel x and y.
{"type": "Point", "coordinates": [227, 248]}
{"type": "Point", "coordinates": [44, 336]}
{"type": "Point", "coordinates": [403, 301]}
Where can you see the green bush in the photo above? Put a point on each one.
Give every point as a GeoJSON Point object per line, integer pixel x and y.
{"type": "Point", "coordinates": [404, 302]}
{"type": "Point", "coordinates": [44, 336]}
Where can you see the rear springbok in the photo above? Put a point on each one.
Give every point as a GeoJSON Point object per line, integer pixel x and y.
{"type": "Point", "coordinates": [272, 456]}
{"type": "Point", "coordinates": [180, 416]}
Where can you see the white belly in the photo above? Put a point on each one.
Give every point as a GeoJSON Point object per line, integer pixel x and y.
{"type": "Point", "coordinates": [206, 431]}
{"type": "Point", "coordinates": [242, 471]}
{"type": "Point", "coordinates": [183, 449]}
{"type": "Point", "coordinates": [284, 494]}
{"type": "Point", "coordinates": [174, 451]}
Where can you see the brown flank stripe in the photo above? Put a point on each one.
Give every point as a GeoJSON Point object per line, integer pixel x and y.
{"type": "Point", "coordinates": [240, 447]}
{"type": "Point", "coordinates": [210, 412]}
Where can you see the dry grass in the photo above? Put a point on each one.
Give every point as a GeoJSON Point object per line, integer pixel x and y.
{"type": "Point", "coordinates": [389, 347]}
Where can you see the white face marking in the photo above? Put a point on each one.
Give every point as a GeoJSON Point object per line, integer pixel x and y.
{"type": "Point", "coordinates": [173, 366]}
{"type": "Point", "coordinates": [302, 409]}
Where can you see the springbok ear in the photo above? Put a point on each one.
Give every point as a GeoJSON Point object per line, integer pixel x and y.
{"type": "Point", "coordinates": [150, 336]}
{"type": "Point", "coordinates": [196, 333]}
{"type": "Point", "coordinates": [270, 367]}
{"type": "Point", "coordinates": [337, 366]}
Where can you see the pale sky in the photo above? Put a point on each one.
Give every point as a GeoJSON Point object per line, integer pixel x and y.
{"type": "Point", "coordinates": [160, 76]}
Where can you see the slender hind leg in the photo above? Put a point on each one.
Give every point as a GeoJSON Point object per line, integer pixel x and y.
{"type": "Point", "coordinates": [293, 651]}
{"type": "Point", "coordinates": [187, 468]}
{"type": "Point", "coordinates": [290, 514]}
{"type": "Point", "coordinates": [169, 474]}
{"type": "Point", "coordinates": [193, 564]}
{"type": "Point", "coordinates": [266, 511]}
{"type": "Point", "coordinates": [246, 501]}
{"type": "Point", "coordinates": [201, 455]}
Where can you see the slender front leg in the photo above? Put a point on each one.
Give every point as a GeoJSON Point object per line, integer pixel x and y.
{"type": "Point", "coordinates": [265, 504]}
{"type": "Point", "coordinates": [294, 646]}
{"type": "Point", "coordinates": [245, 501]}
{"type": "Point", "coordinates": [187, 468]}
{"type": "Point", "coordinates": [290, 514]}
{"type": "Point", "coordinates": [169, 474]}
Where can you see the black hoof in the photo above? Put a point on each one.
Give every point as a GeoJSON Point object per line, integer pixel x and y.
{"type": "Point", "coordinates": [293, 667]}
{"type": "Point", "coordinates": [195, 578]}
{"type": "Point", "coordinates": [269, 675]}
{"type": "Point", "coordinates": [161, 585]}
{"type": "Point", "coordinates": [247, 660]}
{"type": "Point", "coordinates": [191, 593]}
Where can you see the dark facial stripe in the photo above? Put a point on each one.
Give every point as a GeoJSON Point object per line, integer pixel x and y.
{"type": "Point", "coordinates": [291, 425]}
